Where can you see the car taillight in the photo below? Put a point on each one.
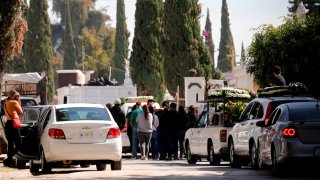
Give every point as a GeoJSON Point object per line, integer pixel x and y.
{"type": "Point", "coordinates": [223, 135]}
{"type": "Point", "coordinates": [56, 133]}
{"type": "Point", "coordinates": [113, 133]}
{"type": "Point", "coordinates": [289, 132]}
{"type": "Point", "coordinates": [268, 113]}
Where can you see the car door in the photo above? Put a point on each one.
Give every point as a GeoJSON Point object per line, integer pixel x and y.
{"type": "Point", "coordinates": [239, 128]}
{"type": "Point", "coordinates": [29, 134]}
{"type": "Point", "coordinates": [196, 137]}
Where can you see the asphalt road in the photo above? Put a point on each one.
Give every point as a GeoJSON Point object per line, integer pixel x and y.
{"type": "Point", "coordinates": [152, 169]}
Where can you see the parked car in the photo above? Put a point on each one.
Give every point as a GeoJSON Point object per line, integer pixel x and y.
{"type": "Point", "coordinates": [71, 134]}
{"type": "Point", "coordinates": [25, 101]}
{"type": "Point", "coordinates": [243, 138]}
{"type": "Point", "coordinates": [208, 139]}
{"type": "Point", "coordinates": [290, 137]}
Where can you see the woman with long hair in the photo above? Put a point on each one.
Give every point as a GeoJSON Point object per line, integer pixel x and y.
{"type": "Point", "coordinates": [12, 109]}
{"type": "Point", "coordinates": [144, 131]}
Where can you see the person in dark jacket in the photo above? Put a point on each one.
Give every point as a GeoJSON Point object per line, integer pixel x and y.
{"type": "Point", "coordinates": [192, 116]}
{"type": "Point", "coordinates": [173, 131]}
{"type": "Point", "coordinates": [162, 132]}
{"type": "Point", "coordinates": [118, 114]}
{"type": "Point", "coordinates": [184, 125]}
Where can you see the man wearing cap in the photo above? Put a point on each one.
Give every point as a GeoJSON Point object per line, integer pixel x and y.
{"type": "Point", "coordinates": [118, 114]}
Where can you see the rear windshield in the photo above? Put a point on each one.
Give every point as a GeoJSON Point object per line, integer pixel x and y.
{"type": "Point", "coordinates": [305, 114]}
{"type": "Point", "coordinates": [275, 104]}
{"type": "Point", "coordinates": [82, 113]}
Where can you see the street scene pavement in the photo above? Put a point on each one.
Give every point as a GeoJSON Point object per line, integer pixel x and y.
{"type": "Point", "coordinates": [151, 169]}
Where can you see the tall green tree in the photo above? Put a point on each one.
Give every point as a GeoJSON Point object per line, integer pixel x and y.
{"type": "Point", "coordinates": [243, 55]}
{"type": "Point", "coordinates": [69, 57]}
{"type": "Point", "coordinates": [185, 52]}
{"type": "Point", "coordinates": [122, 43]}
{"type": "Point", "coordinates": [146, 59]}
{"type": "Point", "coordinates": [294, 46]}
{"type": "Point", "coordinates": [209, 41]}
{"type": "Point", "coordinates": [38, 52]}
{"type": "Point", "coordinates": [12, 29]}
{"type": "Point", "coordinates": [226, 58]}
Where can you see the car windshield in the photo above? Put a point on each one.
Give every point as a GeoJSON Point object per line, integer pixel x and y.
{"type": "Point", "coordinates": [305, 114]}
{"type": "Point", "coordinates": [82, 113]}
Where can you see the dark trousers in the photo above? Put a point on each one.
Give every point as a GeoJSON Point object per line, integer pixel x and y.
{"type": "Point", "coordinates": [174, 139]}
{"type": "Point", "coordinates": [14, 139]}
{"type": "Point", "coordinates": [181, 142]}
{"type": "Point", "coordinates": [154, 144]}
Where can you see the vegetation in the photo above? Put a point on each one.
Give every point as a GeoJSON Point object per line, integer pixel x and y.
{"type": "Point", "coordinates": [209, 42]}
{"type": "Point", "coordinates": [146, 60]}
{"type": "Point", "coordinates": [226, 58]}
{"type": "Point", "coordinates": [121, 43]}
{"type": "Point", "coordinates": [12, 29]}
{"type": "Point", "coordinates": [294, 46]}
{"type": "Point", "coordinates": [185, 52]}
{"type": "Point", "coordinates": [38, 49]}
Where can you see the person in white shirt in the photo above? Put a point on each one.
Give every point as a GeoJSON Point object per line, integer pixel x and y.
{"type": "Point", "coordinates": [144, 131]}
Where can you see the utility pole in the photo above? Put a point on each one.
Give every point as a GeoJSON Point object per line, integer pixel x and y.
{"type": "Point", "coordinates": [83, 57]}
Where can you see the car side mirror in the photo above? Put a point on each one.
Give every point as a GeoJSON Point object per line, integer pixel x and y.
{"type": "Point", "coordinates": [261, 124]}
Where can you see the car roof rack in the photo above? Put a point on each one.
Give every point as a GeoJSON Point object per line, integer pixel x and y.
{"type": "Point", "coordinates": [292, 90]}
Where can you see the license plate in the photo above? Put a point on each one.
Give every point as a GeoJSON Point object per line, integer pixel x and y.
{"type": "Point", "coordinates": [317, 152]}
{"type": "Point", "coordinates": [86, 134]}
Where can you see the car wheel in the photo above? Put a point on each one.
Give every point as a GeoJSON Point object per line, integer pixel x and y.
{"type": "Point", "coordinates": [34, 168]}
{"type": "Point", "coordinates": [83, 165]}
{"type": "Point", "coordinates": [190, 158]}
{"type": "Point", "coordinates": [276, 169]}
{"type": "Point", "coordinates": [45, 166]}
{"type": "Point", "coordinates": [212, 158]}
{"type": "Point", "coordinates": [116, 165]}
{"type": "Point", "coordinates": [101, 166]}
{"type": "Point", "coordinates": [21, 164]}
{"type": "Point", "coordinates": [253, 156]}
{"type": "Point", "coordinates": [234, 161]}
{"type": "Point", "coordinates": [260, 161]}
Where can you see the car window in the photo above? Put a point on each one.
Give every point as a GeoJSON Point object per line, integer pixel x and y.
{"type": "Point", "coordinates": [268, 122]}
{"type": "Point", "coordinates": [30, 115]}
{"type": "Point", "coordinates": [276, 117]}
{"type": "Point", "coordinates": [82, 113]}
{"type": "Point", "coordinates": [246, 113]}
{"type": "Point", "coordinates": [202, 120]}
{"type": "Point", "coordinates": [257, 111]}
{"type": "Point", "coordinates": [305, 114]}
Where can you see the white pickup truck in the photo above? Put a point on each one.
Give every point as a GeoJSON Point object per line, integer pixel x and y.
{"type": "Point", "coordinates": [208, 139]}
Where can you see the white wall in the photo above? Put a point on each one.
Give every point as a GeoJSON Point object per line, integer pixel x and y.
{"type": "Point", "coordinates": [194, 86]}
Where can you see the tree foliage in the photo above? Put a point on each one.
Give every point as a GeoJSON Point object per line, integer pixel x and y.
{"type": "Point", "coordinates": [146, 61]}
{"type": "Point", "coordinates": [38, 49]}
{"type": "Point", "coordinates": [209, 41]}
{"type": "Point", "coordinates": [69, 58]}
{"type": "Point", "coordinates": [185, 52]}
{"type": "Point", "coordinates": [294, 46]}
{"type": "Point", "coordinates": [226, 46]}
{"type": "Point", "coordinates": [121, 43]}
{"type": "Point", "coordinates": [243, 54]}
{"type": "Point", "coordinates": [96, 58]}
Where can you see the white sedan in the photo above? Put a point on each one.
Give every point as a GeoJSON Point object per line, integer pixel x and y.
{"type": "Point", "coordinates": [71, 134]}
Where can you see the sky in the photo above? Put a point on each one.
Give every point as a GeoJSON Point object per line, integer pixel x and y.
{"type": "Point", "coordinates": [244, 15]}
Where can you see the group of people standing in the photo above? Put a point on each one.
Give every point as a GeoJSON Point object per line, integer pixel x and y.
{"type": "Point", "coordinates": [161, 129]}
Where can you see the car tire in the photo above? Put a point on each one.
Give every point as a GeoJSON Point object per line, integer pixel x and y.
{"type": "Point", "coordinates": [21, 164]}
{"type": "Point", "coordinates": [234, 160]}
{"type": "Point", "coordinates": [116, 165]}
{"type": "Point", "coordinates": [254, 156]}
{"type": "Point", "coordinates": [212, 158]}
{"type": "Point", "coordinates": [190, 158]}
{"type": "Point", "coordinates": [45, 166]}
{"type": "Point", "coordinates": [101, 166]}
{"type": "Point", "coordinates": [276, 168]}
{"type": "Point", "coordinates": [84, 165]}
{"type": "Point", "coordinates": [34, 168]}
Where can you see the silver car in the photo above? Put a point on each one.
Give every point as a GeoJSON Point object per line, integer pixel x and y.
{"type": "Point", "coordinates": [291, 135]}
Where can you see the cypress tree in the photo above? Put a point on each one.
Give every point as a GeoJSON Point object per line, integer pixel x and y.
{"type": "Point", "coordinates": [121, 43]}
{"type": "Point", "coordinates": [243, 55]}
{"type": "Point", "coordinates": [69, 57]}
{"type": "Point", "coordinates": [226, 58]}
{"type": "Point", "coordinates": [38, 44]}
{"type": "Point", "coordinates": [146, 59]}
{"type": "Point", "coordinates": [185, 52]}
{"type": "Point", "coordinates": [209, 41]}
